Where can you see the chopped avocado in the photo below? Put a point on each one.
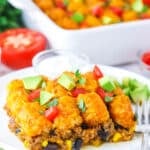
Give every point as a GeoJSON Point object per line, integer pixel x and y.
{"type": "Point", "coordinates": [139, 94]}
{"type": "Point", "coordinates": [107, 84]}
{"type": "Point", "coordinates": [125, 82]}
{"type": "Point", "coordinates": [45, 97]}
{"type": "Point", "coordinates": [32, 83]}
{"type": "Point", "coordinates": [116, 82]}
{"type": "Point", "coordinates": [126, 91]}
{"type": "Point", "coordinates": [66, 81]}
{"type": "Point", "coordinates": [138, 6]}
{"type": "Point", "coordinates": [133, 83]}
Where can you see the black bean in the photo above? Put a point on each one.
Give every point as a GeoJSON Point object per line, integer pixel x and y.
{"type": "Point", "coordinates": [52, 132]}
{"type": "Point", "coordinates": [103, 135]}
{"type": "Point", "coordinates": [117, 126]}
{"type": "Point", "coordinates": [17, 131]}
{"type": "Point", "coordinates": [84, 126]}
{"type": "Point", "coordinates": [51, 146]}
{"type": "Point", "coordinates": [77, 144]}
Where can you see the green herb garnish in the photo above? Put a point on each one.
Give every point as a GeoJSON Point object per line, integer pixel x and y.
{"type": "Point", "coordinates": [82, 80]}
{"type": "Point", "coordinates": [81, 105]}
{"type": "Point", "coordinates": [77, 73]}
{"type": "Point", "coordinates": [108, 99]}
{"type": "Point", "coordinates": [53, 102]}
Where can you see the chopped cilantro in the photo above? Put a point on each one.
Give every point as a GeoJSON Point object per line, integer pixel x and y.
{"type": "Point", "coordinates": [81, 105]}
{"type": "Point", "coordinates": [108, 99]}
{"type": "Point", "coordinates": [77, 73]}
{"type": "Point", "coordinates": [52, 103]}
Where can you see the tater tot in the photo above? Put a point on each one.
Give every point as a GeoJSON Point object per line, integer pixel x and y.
{"type": "Point", "coordinates": [69, 116]}
{"type": "Point", "coordinates": [96, 110]}
{"type": "Point", "coordinates": [121, 111]}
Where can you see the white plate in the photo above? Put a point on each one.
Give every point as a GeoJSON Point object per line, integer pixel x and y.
{"type": "Point", "coordinates": [9, 138]}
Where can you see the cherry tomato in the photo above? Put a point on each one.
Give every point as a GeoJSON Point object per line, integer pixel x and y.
{"type": "Point", "coordinates": [52, 113]}
{"type": "Point", "coordinates": [34, 95]}
{"type": "Point", "coordinates": [100, 92]}
{"type": "Point", "coordinates": [97, 11]}
{"type": "Point", "coordinates": [18, 46]}
{"type": "Point", "coordinates": [117, 10]}
{"type": "Point", "coordinates": [147, 2]}
{"type": "Point", "coordinates": [78, 91]}
{"type": "Point", "coordinates": [97, 72]}
{"type": "Point", "coordinates": [146, 58]}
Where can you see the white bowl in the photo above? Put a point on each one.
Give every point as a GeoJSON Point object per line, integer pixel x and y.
{"type": "Point", "coordinates": [111, 45]}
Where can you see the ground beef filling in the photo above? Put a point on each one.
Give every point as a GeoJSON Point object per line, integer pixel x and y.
{"type": "Point", "coordinates": [80, 135]}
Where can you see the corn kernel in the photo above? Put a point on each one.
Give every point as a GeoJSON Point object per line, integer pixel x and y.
{"type": "Point", "coordinates": [96, 142]}
{"type": "Point", "coordinates": [69, 144]}
{"type": "Point", "coordinates": [117, 136]}
{"type": "Point", "coordinates": [26, 143]}
{"type": "Point", "coordinates": [44, 143]}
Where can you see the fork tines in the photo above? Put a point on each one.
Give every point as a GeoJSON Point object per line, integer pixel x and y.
{"type": "Point", "coordinates": [142, 112]}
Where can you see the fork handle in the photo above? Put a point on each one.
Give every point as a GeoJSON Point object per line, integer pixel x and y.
{"type": "Point", "coordinates": [144, 145]}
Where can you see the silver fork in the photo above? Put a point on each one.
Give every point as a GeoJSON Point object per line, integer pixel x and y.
{"type": "Point", "coordinates": [142, 112]}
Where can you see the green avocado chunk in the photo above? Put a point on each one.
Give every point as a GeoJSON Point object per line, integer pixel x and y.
{"type": "Point", "coordinates": [139, 94]}
{"type": "Point", "coordinates": [66, 81]}
{"type": "Point", "coordinates": [138, 6]}
{"type": "Point", "coordinates": [32, 83]}
{"type": "Point", "coordinates": [45, 97]}
{"type": "Point", "coordinates": [107, 84]}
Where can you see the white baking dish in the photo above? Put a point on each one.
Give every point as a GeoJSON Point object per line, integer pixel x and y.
{"type": "Point", "coordinates": [113, 44]}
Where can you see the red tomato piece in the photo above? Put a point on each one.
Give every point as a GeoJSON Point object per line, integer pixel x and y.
{"type": "Point", "coordinates": [34, 95]}
{"type": "Point", "coordinates": [60, 4]}
{"type": "Point", "coordinates": [52, 113]}
{"type": "Point", "coordinates": [109, 94]}
{"type": "Point", "coordinates": [97, 72]}
{"type": "Point", "coordinates": [18, 46]}
{"type": "Point", "coordinates": [146, 58]}
{"type": "Point", "coordinates": [116, 10]}
{"type": "Point", "coordinates": [146, 2]}
{"type": "Point", "coordinates": [145, 16]}
{"type": "Point", "coordinates": [78, 91]}
{"type": "Point", "coordinates": [97, 11]}
{"type": "Point", "coordinates": [84, 25]}
{"type": "Point", "coordinates": [100, 92]}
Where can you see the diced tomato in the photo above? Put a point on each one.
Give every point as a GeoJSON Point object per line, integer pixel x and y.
{"type": "Point", "coordinates": [84, 25]}
{"type": "Point", "coordinates": [97, 72]}
{"type": "Point", "coordinates": [100, 92]}
{"type": "Point", "coordinates": [60, 4]}
{"type": "Point", "coordinates": [52, 113]}
{"type": "Point", "coordinates": [18, 46]}
{"type": "Point", "coordinates": [97, 11]}
{"type": "Point", "coordinates": [110, 94]}
{"type": "Point", "coordinates": [146, 2]}
{"type": "Point", "coordinates": [117, 10]}
{"type": "Point", "coordinates": [145, 16]}
{"type": "Point", "coordinates": [34, 95]}
{"type": "Point", "coordinates": [146, 58]}
{"type": "Point", "coordinates": [75, 92]}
